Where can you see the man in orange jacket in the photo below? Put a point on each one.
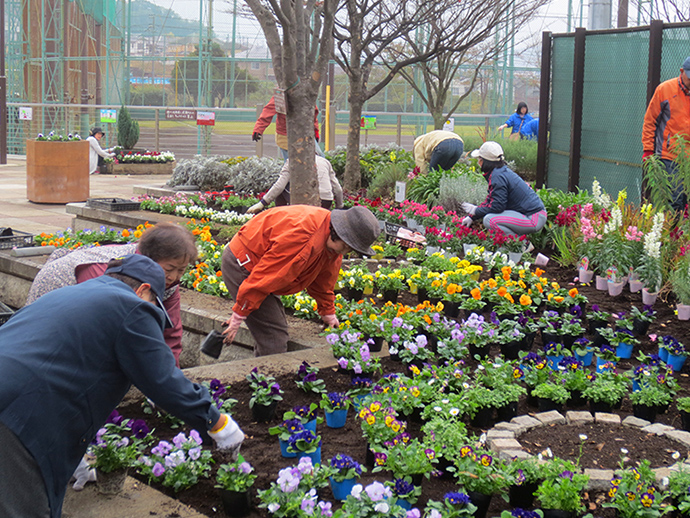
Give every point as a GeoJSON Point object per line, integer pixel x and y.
{"type": "Point", "coordinates": [285, 250]}
{"type": "Point", "coordinates": [668, 114]}
{"type": "Point", "coordinates": [265, 120]}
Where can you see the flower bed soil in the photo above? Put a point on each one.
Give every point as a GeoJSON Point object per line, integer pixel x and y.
{"type": "Point", "coordinates": [601, 449]}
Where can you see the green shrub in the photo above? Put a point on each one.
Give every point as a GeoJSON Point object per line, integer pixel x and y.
{"type": "Point", "coordinates": [468, 186]}
{"type": "Point", "coordinates": [520, 154]}
{"type": "Point", "coordinates": [371, 160]}
{"type": "Point", "coordinates": [127, 129]}
{"type": "Point", "coordinates": [249, 176]}
{"type": "Point", "coordinates": [383, 183]}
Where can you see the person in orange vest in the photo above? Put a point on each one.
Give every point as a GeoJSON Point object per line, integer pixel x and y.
{"type": "Point", "coordinates": [265, 120]}
{"type": "Point", "coordinates": [668, 115]}
{"type": "Point", "coordinates": [285, 250]}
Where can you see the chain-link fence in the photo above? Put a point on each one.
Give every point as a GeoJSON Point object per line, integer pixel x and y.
{"type": "Point", "coordinates": [618, 68]}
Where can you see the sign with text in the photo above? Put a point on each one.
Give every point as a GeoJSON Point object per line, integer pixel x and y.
{"type": "Point", "coordinates": [108, 115]}
{"type": "Point", "coordinates": [280, 101]}
{"type": "Point", "coordinates": [400, 188]}
{"type": "Point", "coordinates": [449, 125]}
{"type": "Point", "coordinates": [25, 113]}
{"type": "Point", "coordinates": [368, 122]}
{"type": "Point", "coordinates": [180, 114]}
{"type": "Point", "coordinates": [205, 118]}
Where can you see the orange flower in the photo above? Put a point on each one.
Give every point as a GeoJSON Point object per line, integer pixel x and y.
{"type": "Point", "coordinates": [492, 283]}
{"type": "Point", "coordinates": [522, 284]}
{"type": "Point", "coordinates": [219, 274]}
{"type": "Point", "coordinates": [427, 319]}
{"type": "Point", "coordinates": [540, 288]}
{"type": "Point", "coordinates": [502, 291]}
{"type": "Point", "coordinates": [125, 233]}
{"type": "Point", "coordinates": [476, 294]}
{"type": "Point", "coordinates": [559, 299]}
{"type": "Point", "coordinates": [510, 298]}
{"type": "Point", "coordinates": [453, 288]}
{"type": "Point", "coordinates": [573, 292]}
{"type": "Point", "coordinates": [525, 300]}
{"type": "Point", "coordinates": [538, 272]}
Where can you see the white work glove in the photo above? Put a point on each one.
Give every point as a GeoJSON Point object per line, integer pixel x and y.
{"type": "Point", "coordinates": [83, 474]}
{"type": "Point", "coordinates": [233, 324]}
{"type": "Point", "coordinates": [467, 221]}
{"type": "Point", "coordinates": [331, 321]}
{"type": "Point", "coordinates": [469, 208]}
{"type": "Point", "coordinates": [229, 438]}
{"type": "Point", "coordinates": [256, 208]}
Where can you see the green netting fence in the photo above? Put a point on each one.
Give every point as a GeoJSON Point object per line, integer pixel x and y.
{"type": "Point", "coordinates": [619, 74]}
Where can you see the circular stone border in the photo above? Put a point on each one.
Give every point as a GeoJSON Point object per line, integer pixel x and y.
{"type": "Point", "coordinates": [502, 438]}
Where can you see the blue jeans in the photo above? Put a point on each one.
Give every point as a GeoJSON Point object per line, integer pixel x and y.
{"type": "Point", "coordinates": [678, 199]}
{"type": "Point", "coordinates": [446, 154]}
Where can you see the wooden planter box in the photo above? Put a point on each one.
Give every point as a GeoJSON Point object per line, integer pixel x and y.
{"type": "Point", "coordinates": [57, 172]}
{"type": "Point", "coordinates": [166, 168]}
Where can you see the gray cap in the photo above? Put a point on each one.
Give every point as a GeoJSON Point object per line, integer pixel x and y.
{"type": "Point", "coordinates": [686, 65]}
{"type": "Point", "coordinates": [358, 227]}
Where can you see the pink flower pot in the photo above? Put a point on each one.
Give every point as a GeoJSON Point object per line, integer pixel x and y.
{"type": "Point", "coordinates": [615, 288]}
{"type": "Point", "coordinates": [635, 286]}
{"type": "Point", "coordinates": [683, 311]}
{"type": "Point", "coordinates": [601, 283]}
{"type": "Point", "coordinates": [585, 275]}
{"type": "Point", "coordinates": [649, 298]}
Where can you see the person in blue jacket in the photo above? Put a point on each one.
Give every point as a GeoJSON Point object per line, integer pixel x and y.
{"type": "Point", "coordinates": [67, 360]}
{"type": "Point", "coordinates": [511, 205]}
{"type": "Point", "coordinates": [530, 131]}
{"type": "Point", "coordinates": [516, 121]}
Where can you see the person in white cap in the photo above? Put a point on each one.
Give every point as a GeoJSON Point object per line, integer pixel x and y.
{"type": "Point", "coordinates": [511, 205]}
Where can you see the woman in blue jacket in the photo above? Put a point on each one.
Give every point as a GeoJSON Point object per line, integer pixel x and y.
{"type": "Point", "coordinates": [511, 205]}
{"type": "Point", "coordinates": [516, 121]}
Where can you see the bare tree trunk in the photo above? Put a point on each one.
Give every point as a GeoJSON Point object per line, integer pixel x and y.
{"type": "Point", "coordinates": [353, 176]}
{"type": "Point", "coordinates": [304, 185]}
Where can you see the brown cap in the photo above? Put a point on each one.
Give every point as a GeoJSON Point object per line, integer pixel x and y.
{"type": "Point", "coordinates": [358, 227]}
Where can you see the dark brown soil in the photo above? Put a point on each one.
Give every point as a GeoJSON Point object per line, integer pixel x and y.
{"type": "Point", "coordinates": [601, 449]}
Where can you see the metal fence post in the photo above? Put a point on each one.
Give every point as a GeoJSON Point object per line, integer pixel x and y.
{"type": "Point", "coordinates": [157, 130]}
{"type": "Point", "coordinates": [259, 143]}
{"type": "Point", "coordinates": [331, 131]}
{"type": "Point", "coordinates": [656, 33]}
{"type": "Point", "coordinates": [576, 117]}
{"type": "Point", "coordinates": [544, 97]}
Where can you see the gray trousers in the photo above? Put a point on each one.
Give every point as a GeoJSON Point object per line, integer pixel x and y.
{"type": "Point", "coordinates": [267, 324]}
{"type": "Point", "coordinates": [22, 490]}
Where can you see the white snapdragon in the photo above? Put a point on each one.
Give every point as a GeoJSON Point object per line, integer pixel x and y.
{"type": "Point", "coordinates": [615, 222]}
{"type": "Point", "coordinates": [652, 241]}
{"type": "Point", "coordinates": [600, 197]}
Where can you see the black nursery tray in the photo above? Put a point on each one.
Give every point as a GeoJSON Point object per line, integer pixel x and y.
{"type": "Point", "coordinates": [5, 313]}
{"type": "Point", "coordinates": [113, 204]}
{"type": "Point", "coordinates": [15, 238]}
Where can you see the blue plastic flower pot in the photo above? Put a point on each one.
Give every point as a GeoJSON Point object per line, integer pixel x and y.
{"type": "Point", "coordinates": [601, 363]}
{"type": "Point", "coordinates": [283, 450]}
{"type": "Point", "coordinates": [357, 400]}
{"type": "Point", "coordinates": [336, 419]}
{"type": "Point", "coordinates": [624, 350]}
{"type": "Point", "coordinates": [342, 489]}
{"type": "Point", "coordinates": [635, 385]}
{"type": "Point", "coordinates": [663, 354]}
{"type": "Point", "coordinates": [554, 361]}
{"type": "Point", "coordinates": [404, 504]}
{"type": "Point", "coordinates": [675, 362]}
{"type": "Point", "coordinates": [314, 456]}
{"type": "Point", "coordinates": [586, 359]}
{"type": "Point", "coordinates": [311, 425]}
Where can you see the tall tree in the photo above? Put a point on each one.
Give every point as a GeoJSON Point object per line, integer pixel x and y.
{"type": "Point", "coordinates": [474, 32]}
{"type": "Point", "coordinates": [300, 37]}
{"type": "Point", "coordinates": [364, 30]}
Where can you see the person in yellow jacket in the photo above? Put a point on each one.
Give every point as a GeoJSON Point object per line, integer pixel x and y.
{"type": "Point", "coordinates": [438, 148]}
{"type": "Point", "coordinates": [668, 115]}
